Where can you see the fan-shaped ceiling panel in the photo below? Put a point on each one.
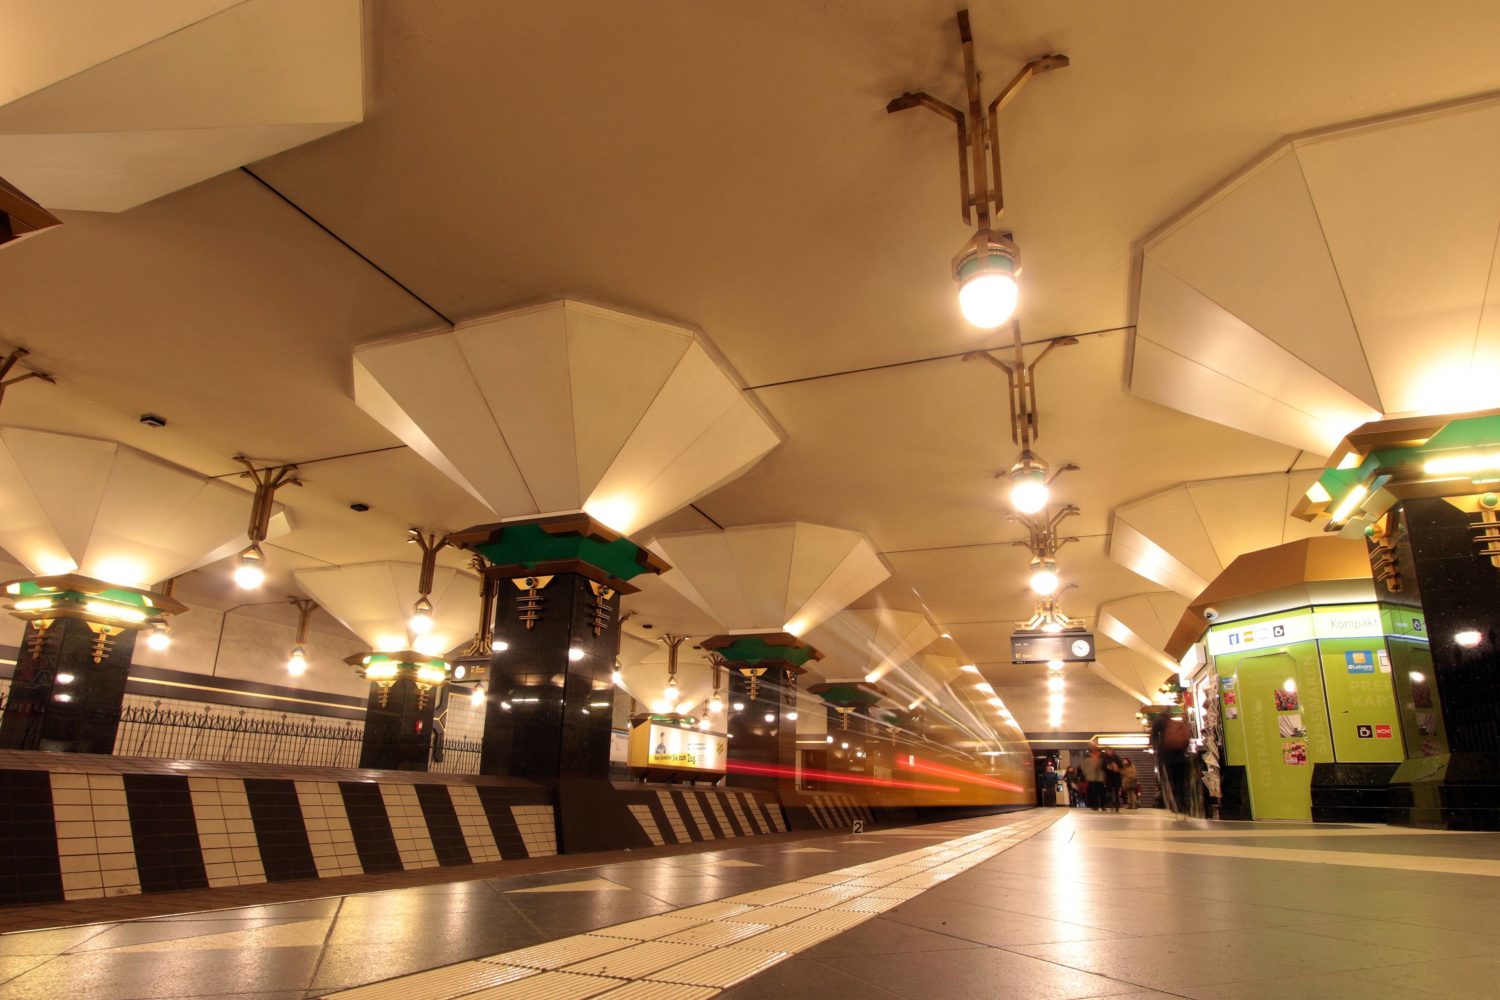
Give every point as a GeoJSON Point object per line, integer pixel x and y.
{"type": "Point", "coordinates": [96, 507]}
{"type": "Point", "coordinates": [1343, 278]}
{"type": "Point", "coordinates": [1184, 537]}
{"type": "Point", "coordinates": [111, 105]}
{"type": "Point", "coordinates": [567, 407]}
{"type": "Point", "coordinates": [374, 601]}
{"type": "Point", "coordinates": [870, 644]}
{"type": "Point", "coordinates": [771, 578]}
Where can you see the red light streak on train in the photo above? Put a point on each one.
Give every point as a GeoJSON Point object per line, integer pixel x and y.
{"type": "Point", "coordinates": [939, 770]}
{"type": "Point", "coordinates": [852, 779]}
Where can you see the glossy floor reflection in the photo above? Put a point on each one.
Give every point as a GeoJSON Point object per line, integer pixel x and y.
{"type": "Point", "coordinates": [1134, 905]}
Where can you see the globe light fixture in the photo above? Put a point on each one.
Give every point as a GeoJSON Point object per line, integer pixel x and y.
{"type": "Point", "coordinates": [987, 266]}
{"type": "Point", "coordinates": [716, 704]}
{"type": "Point", "coordinates": [476, 697]}
{"type": "Point", "coordinates": [159, 638]}
{"type": "Point", "coordinates": [420, 622]}
{"type": "Point", "coordinates": [249, 569]}
{"type": "Point", "coordinates": [1044, 579]}
{"type": "Point", "coordinates": [1055, 682]}
{"type": "Point", "coordinates": [739, 706]}
{"type": "Point", "coordinates": [296, 663]}
{"type": "Point", "coordinates": [986, 270]}
{"type": "Point", "coordinates": [575, 653]}
{"type": "Point", "coordinates": [1054, 665]}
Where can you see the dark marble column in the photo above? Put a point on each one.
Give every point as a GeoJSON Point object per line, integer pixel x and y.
{"type": "Point", "coordinates": [551, 693]}
{"type": "Point", "coordinates": [398, 726]}
{"type": "Point", "coordinates": [761, 736]}
{"type": "Point", "coordinates": [60, 698]}
{"type": "Point", "coordinates": [1459, 591]}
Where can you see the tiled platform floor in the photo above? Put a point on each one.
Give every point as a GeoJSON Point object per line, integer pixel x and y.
{"type": "Point", "coordinates": [1136, 905]}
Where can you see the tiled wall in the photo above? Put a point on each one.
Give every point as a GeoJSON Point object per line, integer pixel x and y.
{"type": "Point", "coordinates": [682, 815]}
{"type": "Point", "coordinates": [81, 835]}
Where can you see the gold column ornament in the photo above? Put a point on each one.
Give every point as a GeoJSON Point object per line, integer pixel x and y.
{"type": "Point", "coordinates": [600, 613]}
{"type": "Point", "coordinates": [529, 602]}
{"type": "Point", "coordinates": [1385, 536]}
{"type": "Point", "coordinates": [1487, 528]}
{"type": "Point", "coordinates": [483, 643]}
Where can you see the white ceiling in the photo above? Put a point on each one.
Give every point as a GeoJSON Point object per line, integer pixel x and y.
{"type": "Point", "coordinates": [729, 168]}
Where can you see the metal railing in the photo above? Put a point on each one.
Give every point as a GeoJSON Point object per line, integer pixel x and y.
{"type": "Point", "coordinates": [220, 733]}
{"type": "Point", "coordinates": [212, 733]}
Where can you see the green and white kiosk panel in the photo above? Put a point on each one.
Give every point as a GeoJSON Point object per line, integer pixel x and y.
{"type": "Point", "coordinates": [1318, 685]}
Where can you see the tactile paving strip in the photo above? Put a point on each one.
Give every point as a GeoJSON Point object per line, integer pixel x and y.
{"type": "Point", "coordinates": [694, 952]}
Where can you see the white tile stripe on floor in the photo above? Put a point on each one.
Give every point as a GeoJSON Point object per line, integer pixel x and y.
{"type": "Point", "coordinates": [695, 952]}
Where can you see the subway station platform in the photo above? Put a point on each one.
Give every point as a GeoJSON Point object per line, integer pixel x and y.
{"type": "Point", "coordinates": [1060, 904]}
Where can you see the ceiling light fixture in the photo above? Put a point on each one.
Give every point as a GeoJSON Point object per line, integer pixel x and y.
{"type": "Point", "coordinates": [476, 696]}
{"type": "Point", "coordinates": [250, 567]}
{"type": "Point", "coordinates": [988, 264]}
{"type": "Point", "coordinates": [1044, 579]}
{"type": "Point", "coordinates": [159, 638]}
{"type": "Point", "coordinates": [296, 663]}
{"type": "Point", "coordinates": [421, 622]}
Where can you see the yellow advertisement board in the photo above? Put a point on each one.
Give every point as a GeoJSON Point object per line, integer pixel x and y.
{"type": "Point", "coordinates": [678, 749]}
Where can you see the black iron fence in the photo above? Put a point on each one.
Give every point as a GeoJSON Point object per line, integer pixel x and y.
{"type": "Point", "coordinates": [216, 733]}
{"type": "Point", "coordinates": [187, 731]}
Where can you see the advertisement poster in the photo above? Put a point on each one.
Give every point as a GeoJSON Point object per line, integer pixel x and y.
{"type": "Point", "coordinates": [1294, 753]}
{"type": "Point", "coordinates": [1291, 725]}
{"type": "Point", "coordinates": [676, 748]}
{"type": "Point", "coordinates": [1286, 701]}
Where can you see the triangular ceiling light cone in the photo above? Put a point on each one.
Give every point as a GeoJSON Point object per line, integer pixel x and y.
{"type": "Point", "coordinates": [374, 601]}
{"type": "Point", "coordinates": [771, 577]}
{"type": "Point", "coordinates": [72, 504]}
{"type": "Point", "coordinates": [568, 407]}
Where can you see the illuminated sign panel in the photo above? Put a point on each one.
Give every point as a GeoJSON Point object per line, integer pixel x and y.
{"type": "Point", "coordinates": [677, 749]}
{"type": "Point", "coordinates": [1070, 647]}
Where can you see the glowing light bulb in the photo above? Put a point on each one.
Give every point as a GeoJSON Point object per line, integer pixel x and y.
{"type": "Point", "coordinates": [791, 716]}
{"type": "Point", "coordinates": [505, 705]}
{"type": "Point", "coordinates": [420, 623]}
{"type": "Point", "coordinates": [703, 725]}
{"type": "Point", "coordinates": [1468, 638]}
{"type": "Point", "coordinates": [159, 639]}
{"type": "Point", "coordinates": [844, 745]}
{"type": "Point", "coordinates": [476, 697]}
{"type": "Point", "coordinates": [770, 716]}
{"type": "Point", "coordinates": [988, 298]}
{"type": "Point", "coordinates": [249, 576]}
{"type": "Point", "coordinates": [498, 645]}
{"type": "Point", "coordinates": [1044, 580]}
{"type": "Point", "coordinates": [1028, 485]}
{"type": "Point", "coordinates": [830, 739]}
{"type": "Point", "coordinates": [617, 678]}
{"type": "Point", "coordinates": [1055, 683]}
{"type": "Point", "coordinates": [1054, 664]}
{"type": "Point", "coordinates": [296, 664]}
{"type": "Point", "coordinates": [65, 678]}
{"type": "Point", "coordinates": [738, 706]}
{"type": "Point", "coordinates": [575, 653]}
{"type": "Point", "coordinates": [716, 704]}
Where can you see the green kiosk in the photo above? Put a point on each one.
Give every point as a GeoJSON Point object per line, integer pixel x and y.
{"type": "Point", "coordinates": [1322, 693]}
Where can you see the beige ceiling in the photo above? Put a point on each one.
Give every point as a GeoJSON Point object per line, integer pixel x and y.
{"type": "Point", "coordinates": [729, 168]}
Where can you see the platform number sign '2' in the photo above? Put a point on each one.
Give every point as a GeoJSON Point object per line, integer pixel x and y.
{"type": "Point", "coordinates": [859, 826]}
